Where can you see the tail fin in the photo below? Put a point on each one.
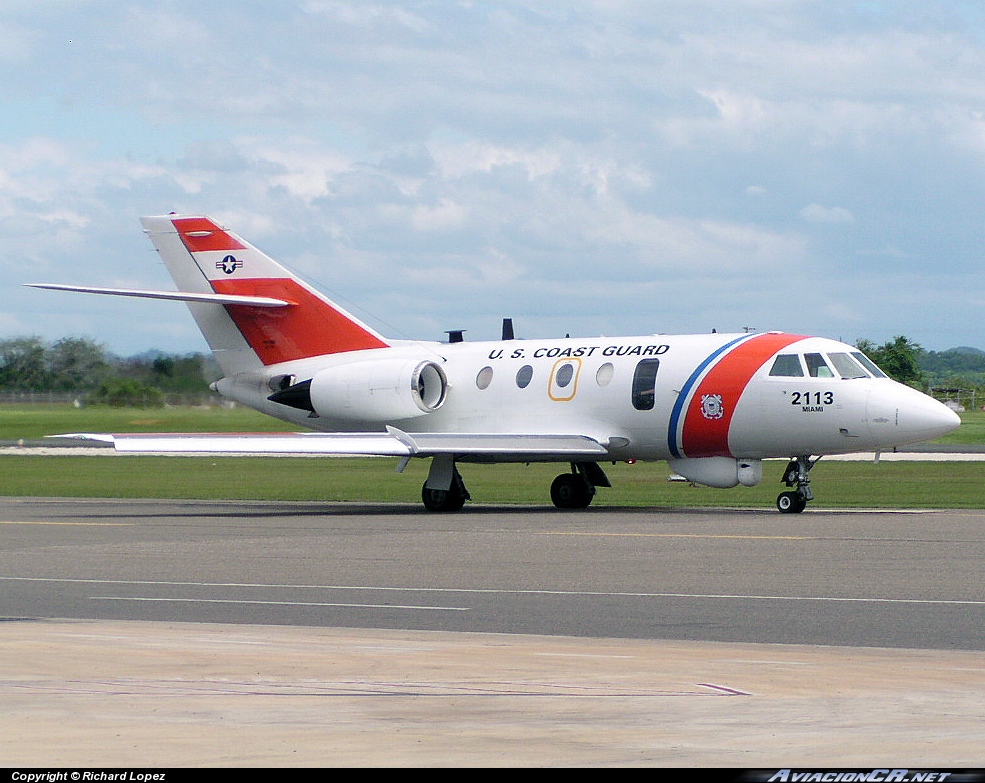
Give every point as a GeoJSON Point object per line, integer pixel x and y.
{"type": "Point", "coordinates": [204, 258]}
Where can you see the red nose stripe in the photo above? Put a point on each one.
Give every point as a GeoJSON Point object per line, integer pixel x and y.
{"type": "Point", "coordinates": [710, 411]}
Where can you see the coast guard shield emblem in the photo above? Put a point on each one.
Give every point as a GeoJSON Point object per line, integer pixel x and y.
{"type": "Point", "coordinates": [712, 406]}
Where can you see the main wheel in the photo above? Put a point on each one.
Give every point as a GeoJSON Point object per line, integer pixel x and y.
{"type": "Point", "coordinates": [442, 499]}
{"type": "Point", "coordinates": [790, 503]}
{"type": "Point", "coordinates": [570, 490]}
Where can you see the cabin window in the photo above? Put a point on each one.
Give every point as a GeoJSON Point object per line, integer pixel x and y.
{"type": "Point", "coordinates": [817, 367]}
{"type": "Point", "coordinates": [484, 378]}
{"type": "Point", "coordinates": [524, 375]}
{"type": "Point", "coordinates": [564, 380]}
{"type": "Point", "coordinates": [846, 366]}
{"type": "Point", "coordinates": [787, 365]}
{"type": "Point", "coordinates": [645, 384]}
{"type": "Point", "coordinates": [868, 364]}
{"type": "Point", "coordinates": [564, 375]}
{"type": "Point", "coordinates": [604, 375]}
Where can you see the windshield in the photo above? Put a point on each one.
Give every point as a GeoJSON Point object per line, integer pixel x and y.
{"type": "Point", "coordinates": [817, 367]}
{"type": "Point", "coordinates": [846, 366]}
{"type": "Point", "coordinates": [869, 365]}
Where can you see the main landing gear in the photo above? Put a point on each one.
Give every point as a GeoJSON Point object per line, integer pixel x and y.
{"type": "Point", "coordinates": [451, 499]}
{"type": "Point", "coordinates": [797, 473]}
{"type": "Point", "coordinates": [445, 490]}
{"type": "Point", "coordinates": [577, 488]}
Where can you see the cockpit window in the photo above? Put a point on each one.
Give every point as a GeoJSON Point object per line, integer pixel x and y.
{"type": "Point", "coordinates": [846, 366]}
{"type": "Point", "coordinates": [787, 365]}
{"type": "Point", "coordinates": [817, 367]}
{"type": "Point", "coordinates": [868, 364]}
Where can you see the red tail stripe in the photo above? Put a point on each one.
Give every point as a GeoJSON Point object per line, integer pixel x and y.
{"type": "Point", "coordinates": [200, 234]}
{"type": "Point", "coordinates": [312, 327]}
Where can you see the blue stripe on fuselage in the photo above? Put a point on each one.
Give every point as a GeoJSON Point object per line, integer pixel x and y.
{"type": "Point", "coordinates": [685, 393]}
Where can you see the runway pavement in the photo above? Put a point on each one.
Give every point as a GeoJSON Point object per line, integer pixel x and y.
{"type": "Point", "coordinates": [194, 633]}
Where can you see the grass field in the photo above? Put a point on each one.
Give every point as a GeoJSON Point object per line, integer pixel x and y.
{"type": "Point", "coordinates": [970, 433]}
{"type": "Point", "coordinates": [30, 422]}
{"type": "Point", "coordinates": [837, 484]}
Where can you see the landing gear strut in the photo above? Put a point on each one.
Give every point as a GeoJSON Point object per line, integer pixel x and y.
{"type": "Point", "coordinates": [797, 473]}
{"type": "Point", "coordinates": [577, 488]}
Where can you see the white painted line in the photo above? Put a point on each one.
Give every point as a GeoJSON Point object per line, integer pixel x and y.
{"type": "Point", "coordinates": [467, 591]}
{"type": "Point", "coordinates": [724, 689]}
{"type": "Point", "coordinates": [908, 456]}
{"type": "Point", "coordinates": [277, 603]}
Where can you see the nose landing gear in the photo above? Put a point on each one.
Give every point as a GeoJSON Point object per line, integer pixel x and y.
{"type": "Point", "coordinates": [797, 473]}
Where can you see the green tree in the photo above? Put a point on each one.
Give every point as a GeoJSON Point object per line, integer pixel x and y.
{"type": "Point", "coordinates": [170, 373]}
{"type": "Point", "coordinates": [127, 393]}
{"type": "Point", "coordinates": [898, 358]}
{"type": "Point", "coordinates": [76, 363]}
{"type": "Point", "coordinates": [23, 365]}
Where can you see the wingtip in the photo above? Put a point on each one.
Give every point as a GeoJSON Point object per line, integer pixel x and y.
{"type": "Point", "coordinates": [96, 436]}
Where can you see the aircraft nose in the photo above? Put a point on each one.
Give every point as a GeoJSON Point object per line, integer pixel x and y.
{"type": "Point", "coordinates": [909, 416]}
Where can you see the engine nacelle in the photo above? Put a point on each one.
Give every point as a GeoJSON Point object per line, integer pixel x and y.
{"type": "Point", "coordinates": [378, 391]}
{"type": "Point", "coordinates": [721, 472]}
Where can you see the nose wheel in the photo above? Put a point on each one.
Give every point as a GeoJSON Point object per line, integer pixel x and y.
{"type": "Point", "coordinates": [790, 503]}
{"type": "Point", "coordinates": [797, 473]}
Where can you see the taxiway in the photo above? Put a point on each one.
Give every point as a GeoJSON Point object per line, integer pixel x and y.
{"type": "Point", "coordinates": [186, 632]}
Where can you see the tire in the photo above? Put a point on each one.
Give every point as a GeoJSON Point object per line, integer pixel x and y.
{"type": "Point", "coordinates": [569, 490]}
{"type": "Point", "coordinates": [790, 503]}
{"type": "Point", "coordinates": [441, 500]}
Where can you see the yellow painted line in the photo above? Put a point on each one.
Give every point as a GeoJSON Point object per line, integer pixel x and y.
{"type": "Point", "coordinates": [68, 524]}
{"type": "Point", "coordinates": [675, 535]}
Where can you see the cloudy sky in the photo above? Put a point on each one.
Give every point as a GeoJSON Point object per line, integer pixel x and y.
{"type": "Point", "coordinates": [584, 167]}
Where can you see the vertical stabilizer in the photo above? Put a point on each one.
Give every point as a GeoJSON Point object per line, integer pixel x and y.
{"type": "Point", "coordinates": [203, 257]}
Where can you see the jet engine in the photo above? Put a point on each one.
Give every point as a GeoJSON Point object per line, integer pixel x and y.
{"type": "Point", "coordinates": [378, 391]}
{"type": "Point", "coordinates": [721, 472]}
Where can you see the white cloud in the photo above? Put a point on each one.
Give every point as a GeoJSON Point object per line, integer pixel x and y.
{"type": "Point", "coordinates": [459, 160]}
{"type": "Point", "coordinates": [367, 14]}
{"type": "Point", "coordinates": [446, 214]}
{"type": "Point", "coordinates": [816, 213]}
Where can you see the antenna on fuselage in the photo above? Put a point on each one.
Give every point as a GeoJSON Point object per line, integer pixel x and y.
{"type": "Point", "coordinates": [508, 329]}
{"type": "Point", "coordinates": [456, 335]}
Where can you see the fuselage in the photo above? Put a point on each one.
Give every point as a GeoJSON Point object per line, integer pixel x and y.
{"type": "Point", "coordinates": [742, 396]}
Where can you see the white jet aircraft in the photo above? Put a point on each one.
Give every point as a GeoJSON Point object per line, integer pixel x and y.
{"type": "Point", "coordinates": [714, 406]}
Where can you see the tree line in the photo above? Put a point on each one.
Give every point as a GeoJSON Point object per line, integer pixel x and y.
{"type": "Point", "coordinates": [907, 362]}
{"type": "Point", "coordinates": [83, 366]}
{"type": "Point", "coordinates": [956, 375]}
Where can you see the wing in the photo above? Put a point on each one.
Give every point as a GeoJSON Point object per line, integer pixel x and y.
{"type": "Point", "coordinates": [392, 443]}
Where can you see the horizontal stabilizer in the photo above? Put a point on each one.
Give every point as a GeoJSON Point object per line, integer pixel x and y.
{"type": "Point", "coordinates": [179, 296]}
{"type": "Point", "coordinates": [392, 443]}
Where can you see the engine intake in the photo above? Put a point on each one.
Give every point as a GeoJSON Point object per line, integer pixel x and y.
{"type": "Point", "coordinates": [374, 391]}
